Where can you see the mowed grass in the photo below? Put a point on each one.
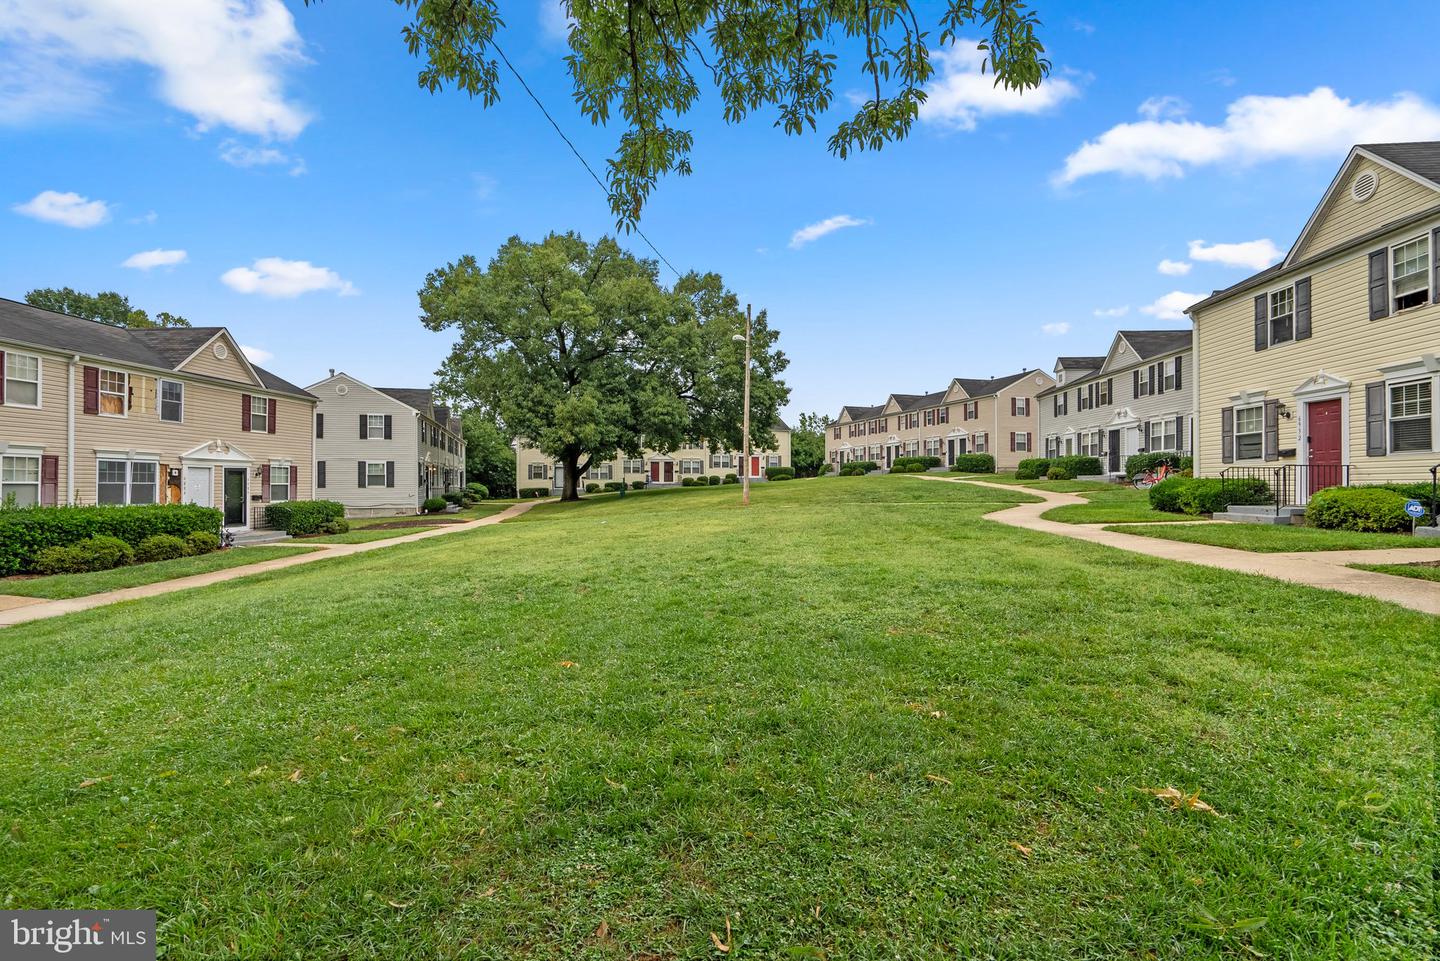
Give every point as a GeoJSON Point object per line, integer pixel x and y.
{"type": "Point", "coordinates": [79, 585]}
{"type": "Point", "coordinates": [1424, 572]}
{"type": "Point", "coordinates": [1114, 505]}
{"type": "Point", "coordinates": [855, 721]}
{"type": "Point", "coordinates": [1271, 539]}
{"type": "Point", "coordinates": [365, 535]}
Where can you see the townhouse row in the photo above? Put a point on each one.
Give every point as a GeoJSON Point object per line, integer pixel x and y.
{"type": "Point", "coordinates": [95, 414]}
{"type": "Point", "coordinates": [1321, 370]}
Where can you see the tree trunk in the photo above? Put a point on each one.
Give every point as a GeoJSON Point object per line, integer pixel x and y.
{"type": "Point", "coordinates": [571, 491]}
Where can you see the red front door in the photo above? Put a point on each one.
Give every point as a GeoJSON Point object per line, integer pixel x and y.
{"type": "Point", "coordinates": [1326, 459]}
{"type": "Point", "coordinates": [655, 471]}
{"type": "Point", "coordinates": [754, 467]}
{"type": "Point", "coordinates": [669, 472]}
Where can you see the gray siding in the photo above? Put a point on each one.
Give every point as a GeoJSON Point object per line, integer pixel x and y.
{"type": "Point", "coordinates": [342, 448]}
{"type": "Point", "coordinates": [1125, 412]}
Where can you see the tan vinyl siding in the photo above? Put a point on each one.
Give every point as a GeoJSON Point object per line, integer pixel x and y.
{"type": "Point", "coordinates": [45, 427]}
{"type": "Point", "coordinates": [1346, 218]}
{"type": "Point", "coordinates": [530, 455]}
{"type": "Point", "coordinates": [232, 368]}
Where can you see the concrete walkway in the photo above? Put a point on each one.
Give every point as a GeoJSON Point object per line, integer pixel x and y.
{"type": "Point", "coordinates": [1326, 569]}
{"type": "Point", "coordinates": [18, 610]}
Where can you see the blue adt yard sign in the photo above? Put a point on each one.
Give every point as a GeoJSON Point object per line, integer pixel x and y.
{"type": "Point", "coordinates": [1414, 508]}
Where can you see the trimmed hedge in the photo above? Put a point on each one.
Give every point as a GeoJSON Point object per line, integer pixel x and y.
{"type": "Point", "coordinates": [1057, 472]}
{"type": "Point", "coordinates": [1358, 509]}
{"type": "Point", "coordinates": [24, 533]}
{"type": "Point", "coordinates": [529, 492]}
{"type": "Point", "coordinates": [731, 479]}
{"type": "Point", "coordinates": [477, 490]}
{"type": "Point", "coordinates": [1206, 495]}
{"type": "Point", "coordinates": [613, 486]}
{"type": "Point", "coordinates": [160, 547]}
{"type": "Point", "coordinates": [914, 464]}
{"type": "Point", "coordinates": [99, 553]}
{"type": "Point", "coordinates": [299, 518]}
{"type": "Point", "coordinates": [974, 464]}
{"type": "Point", "coordinates": [858, 467]}
{"type": "Point", "coordinates": [592, 488]}
{"type": "Point", "coordinates": [201, 542]}
{"type": "Point", "coordinates": [779, 473]}
{"type": "Point", "coordinates": [637, 485]}
{"type": "Point", "coordinates": [1032, 468]}
{"type": "Point", "coordinates": [714, 480]}
{"type": "Point", "coordinates": [1077, 465]}
{"type": "Point", "coordinates": [1165, 496]}
{"type": "Point", "coordinates": [1137, 464]}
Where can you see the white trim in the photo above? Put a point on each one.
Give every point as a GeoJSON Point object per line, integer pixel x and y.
{"type": "Point", "coordinates": [17, 453]}
{"type": "Point", "coordinates": [244, 524]}
{"type": "Point", "coordinates": [245, 361]}
{"type": "Point", "coordinates": [1313, 393]}
{"type": "Point", "coordinates": [39, 380]}
{"type": "Point", "coordinates": [1355, 152]}
{"type": "Point", "coordinates": [101, 393]}
{"type": "Point", "coordinates": [129, 461]}
{"type": "Point", "coordinates": [1403, 381]}
{"type": "Point", "coordinates": [1428, 272]}
{"type": "Point", "coordinates": [1235, 431]}
{"type": "Point", "coordinates": [160, 383]}
{"type": "Point", "coordinates": [1248, 398]}
{"type": "Point", "coordinates": [217, 452]}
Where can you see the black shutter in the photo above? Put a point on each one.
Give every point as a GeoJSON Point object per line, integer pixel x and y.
{"type": "Point", "coordinates": [1380, 283]}
{"type": "Point", "coordinates": [320, 426]}
{"type": "Point", "coordinates": [1261, 339]}
{"type": "Point", "coordinates": [387, 427]}
{"type": "Point", "coordinates": [1435, 261]}
{"type": "Point", "coordinates": [1136, 389]}
{"type": "Point", "coordinates": [389, 473]}
{"type": "Point", "coordinates": [320, 474]}
{"type": "Point", "coordinates": [360, 481]}
{"type": "Point", "coordinates": [1272, 430]}
{"type": "Point", "coordinates": [1178, 364]}
{"type": "Point", "coordinates": [1145, 433]}
{"type": "Point", "coordinates": [1155, 374]}
{"type": "Point", "coordinates": [1227, 435]}
{"type": "Point", "coordinates": [1109, 390]}
{"type": "Point", "coordinates": [1375, 419]}
{"type": "Point", "coordinates": [363, 435]}
{"type": "Point", "coordinates": [1180, 433]}
{"type": "Point", "coordinates": [1160, 379]}
{"type": "Point", "coordinates": [1302, 308]}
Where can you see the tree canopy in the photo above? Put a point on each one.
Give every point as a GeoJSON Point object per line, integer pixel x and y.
{"type": "Point", "coordinates": [807, 444]}
{"type": "Point", "coordinates": [646, 60]}
{"type": "Point", "coordinates": [489, 459]}
{"type": "Point", "coordinates": [107, 307]}
{"type": "Point", "coordinates": [580, 351]}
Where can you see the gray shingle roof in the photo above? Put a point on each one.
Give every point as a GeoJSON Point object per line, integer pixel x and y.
{"type": "Point", "coordinates": [1080, 363]}
{"type": "Point", "coordinates": [1150, 343]}
{"type": "Point", "coordinates": [859, 412]}
{"type": "Point", "coordinates": [984, 388]}
{"type": "Point", "coordinates": [417, 397]}
{"type": "Point", "coordinates": [1421, 158]}
{"type": "Point", "coordinates": [921, 401]}
{"type": "Point", "coordinates": [162, 347]}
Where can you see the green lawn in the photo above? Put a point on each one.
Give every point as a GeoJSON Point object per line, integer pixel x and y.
{"type": "Point", "coordinates": [483, 509]}
{"type": "Point", "coordinates": [1424, 572]}
{"type": "Point", "coordinates": [1270, 539]}
{"type": "Point", "coordinates": [855, 720]}
{"type": "Point", "coordinates": [1113, 505]}
{"type": "Point", "coordinates": [365, 535]}
{"type": "Point", "coordinates": [1064, 487]}
{"type": "Point", "coordinates": [80, 585]}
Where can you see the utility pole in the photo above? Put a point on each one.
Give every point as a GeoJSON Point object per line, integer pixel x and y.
{"type": "Point", "coordinates": [745, 454]}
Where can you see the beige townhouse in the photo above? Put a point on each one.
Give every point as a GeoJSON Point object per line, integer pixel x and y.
{"type": "Point", "coordinates": [997, 416]}
{"type": "Point", "coordinates": [534, 468]}
{"type": "Point", "coordinates": [95, 414]}
{"type": "Point", "coordinates": [1323, 369]}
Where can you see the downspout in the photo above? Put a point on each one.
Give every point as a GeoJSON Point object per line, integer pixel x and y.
{"type": "Point", "coordinates": [70, 432]}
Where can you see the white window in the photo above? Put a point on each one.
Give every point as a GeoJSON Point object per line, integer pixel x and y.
{"type": "Point", "coordinates": [773, 460]}
{"type": "Point", "coordinates": [932, 447]}
{"type": "Point", "coordinates": [1070, 445]}
{"type": "Point", "coordinates": [1171, 369]}
{"type": "Point", "coordinates": [633, 465]}
{"type": "Point", "coordinates": [1162, 434]}
{"type": "Point", "coordinates": [20, 479]}
{"type": "Point", "coordinates": [1249, 433]}
{"type": "Point", "coordinates": [259, 415]}
{"type": "Point", "coordinates": [114, 391]}
{"type": "Point", "coordinates": [538, 471]}
{"type": "Point", "coordinates": [1143, 382]}
{"type": "Point", "coordinates": [1022, 441]}
{"type": "Point", "coordinates": [1410, 278]}
{"type": "Point", "coordinates": [375, 426]}
{"type": "Point", "coordinates": [722, 460]}
{"type": "Point", "coordinates": [692, 466]}
{"type": "Point", "coordinates": [127, 482]}
{"type": "Point", "coordinates": [1282, 315]}
{"type": "Point", "coordinates": [1022, 407]}
{"type": "Point", "coordinates": [982, 443]}
{"type": "Point", "coordinates": [375, 473]}
{"type": "Point", "coordinates": [1411, 424]}
{"type": "Point", "coordinates": [600, 472]}
{"type": "Point", "coordinates": [172, 401]}
{"type": "Point", "coordinates": [279, 482]}
{"type": "Point", "coordinates": [22, 380]}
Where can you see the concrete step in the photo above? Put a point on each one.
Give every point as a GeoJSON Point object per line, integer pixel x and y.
{"type": "Point", "coordinates": [251, 538]}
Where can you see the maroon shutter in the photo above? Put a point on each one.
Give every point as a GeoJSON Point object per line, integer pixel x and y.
{"type": "Point", "coordinates": [92, 390]}
{"type": "Point", "coordinates": [244, 411]}
{"type": "Point", "coordinates": [270, 420]}
{"type": "Point", "coordinates": [1012, 406]}
{"type": "Point", "coordinates": [294, 480]}
{"type": "Point", "coordinates": [49, 474]}
{"type": "Point", "coordinates": [265, 483]}
{"type": "Point", "coordinates": [1030, 442]}
{"type": "Point", "coordinates": [1012, 440]}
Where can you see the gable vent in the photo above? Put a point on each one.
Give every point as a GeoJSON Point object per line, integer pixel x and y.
{"type": "Point", "coordinates": [1363, 187]}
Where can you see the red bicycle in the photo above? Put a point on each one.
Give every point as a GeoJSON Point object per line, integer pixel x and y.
{"type": "Point", "coordinates": [1152, 477]}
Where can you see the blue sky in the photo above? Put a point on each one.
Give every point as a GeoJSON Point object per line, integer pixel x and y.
{"type": "Point", "coordinates": [311, 185]}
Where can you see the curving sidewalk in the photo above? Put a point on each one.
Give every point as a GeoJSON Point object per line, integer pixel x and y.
{"type": "Point", "coordinates": [1324, 569]}
{"type": "Point", "coordinates": [19, 610]}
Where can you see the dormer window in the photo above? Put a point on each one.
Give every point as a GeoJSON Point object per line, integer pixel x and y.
{"type": "Point", "coordinates": [1410, 283]}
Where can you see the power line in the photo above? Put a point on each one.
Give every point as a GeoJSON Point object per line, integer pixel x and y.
{"type": "Point", "coordinates": [578, 156]}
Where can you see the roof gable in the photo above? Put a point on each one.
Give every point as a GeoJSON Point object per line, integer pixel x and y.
{"type": "Point", "coordinates": [213, 353]}
{"type": "Point", "coordinates": [1408, 179]}
{"type": "Point", "coordinates": [1132, 347]}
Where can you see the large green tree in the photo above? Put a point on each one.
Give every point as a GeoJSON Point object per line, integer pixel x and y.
{"type": "Point", "coordinates": [489, 458]}
{"type": "Point", "coordinates": [807, 444]}
{"type": "Point", "coordinates": [580, 351]}
{"type": "Point", "coordinates": [648, 59]}
{"type": "Point", "coordinates": [107, 307]}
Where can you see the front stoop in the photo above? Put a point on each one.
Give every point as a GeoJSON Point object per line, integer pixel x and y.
{"type": "Point", "coordinates": [1261, 514]}
{"type": "Point", "coordinates": [252, 538]}
{"type": "Point", "coordinates": [1428, 532]}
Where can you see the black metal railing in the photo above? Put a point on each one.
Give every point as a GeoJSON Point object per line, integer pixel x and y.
{"type": "Point", "coordinates": [1311, 478]}
{"type": "Point", "coordinates": [1275, 479]}
{"type": "Point", "coordinates": [1434, 499]}
{"type": "Point", "coordinates": [1289, 484]}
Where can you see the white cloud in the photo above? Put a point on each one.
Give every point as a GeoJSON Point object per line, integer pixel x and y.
{"type": "Point", "coordinates": [1255, 254]}
{"type": "Point", "coordinates": [555, 21]}
{"type": "Point", "coordinates": [150, 259]}
{"type": "Point", "coordinates": [1256, 129]}
{"type": "Point", "coordinates": [1173, 268]}
{"type": "Point", "coordinates": [820, 228]}
{"type": "Point", "coordinates": [277, 277]}
{"type": "Point", "coordinates": [1172, 305]}
{"type": "Point", "coordinates": [148, 218]}
{"type": "Point", "coordinates": [220, 61]}
{"type": "Point", "coordinates": [69, 209]}
{"type": "Point", "coordinates": [1120, 311]}
{"type": "Point", "coordinates": [1164, 108]}
{"type": "Point", "coordinates": [237, 154]}
{"type": "Point", "coordinates": [256, 355]}
{"type": "Point", "coordinates": [961, 95]}
{"type": "Point", "coordinates": [1056, 329]}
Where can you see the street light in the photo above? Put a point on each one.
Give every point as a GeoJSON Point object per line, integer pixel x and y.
{"type": "Point", "coordinates": [745, 422]}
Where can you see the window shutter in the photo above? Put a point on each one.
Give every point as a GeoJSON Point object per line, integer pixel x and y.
{"type": "Point", "coordinates": [1029, 442]}
{"type": "Point", "coordinates": [1013, 407]}
{"type": "Point", "coordinates": [49, 472]}
{"type": "Point", "coordinates": [245, 412]}
{"type": "Point", "coordinates": [1434, 262]}
{"type": "Point", "coordinates": [270, 419]}
{"type": "Point", "coordinates": [360, 481]}
{"type": "Point", "coordinates": [387, 427]}
{"type": "Point", "coordinates": [265, 482]}
{"type": "Point", "coordinates": [1180, 433]}
{"type": "Point", "coordinates": [1380, 283]}
{"type": "Point", "coordinates": [1302, 308]}
{"type": "Point", "coordinates": [1262, 338]}
{"type": "Point", "coordinates": [1227, 435]}
{"type": "Point", "coordinates": [294, 481]}
{"type": "Point", "coordinates": [363, 435]}
{"type": "Point", "coordinates": [92, 390]}
{"type": "Point", "coordinates": [1012, 440]}
{"type": "Point", "coordinates": [1145, 435]}
{"type": "Point", "coordinates": [320, 475]}
{"type": "Point", "coordinates": [320, 426]}
{"type": "Point", "coordinates": [389, 473]}
{"type": "Point", "coordinates": [2, 378]}
{"type": "Point", "coordinates": [1135, 391]}
{"type": "Point", "coordinates": [1109, 390]}
{"type": "Point", "coordinates": [1157, 374]}
{"type": "Point", "coordinates": [1178, 365]}
{"type": "Point", "coordinates": [1375, 419]}
{"type": "Point", "coordinates": [1272, 430]}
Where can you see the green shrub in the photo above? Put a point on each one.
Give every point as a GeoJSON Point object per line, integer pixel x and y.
{"type": "Point", "coordinates": [1211, 495]}
{"type": "Point", "coordinates": [781, 477]}
{"type": "Point", "coordinates": [1078, 465]}
{"type": "Point", "coordinates": [299, 518]}
{"type": "Point", "coordinates": [913, 464]}
{"type": "Point", "coordinates": [59, 560]}
{"type": "Point", "coordinates": [687, 482]}
{"type": "Point", "coordinates": [858, 467]}
{"type": "Point", "coordinates": [613, 486]}
{"type": "Point", "coordinates": [338, 526]}
{"type": "Point", "coordinates": [824, 469]}
{"type": "Point", "coordinates": [1137, 464]}
{"type": "Point", "coordinates": [477, 490]}
{"type": "Point", "coordinates": [714, 480]}
{"type": "Point", "coordinates": [731, 479]}
{"type": "Point", "coordinates": [1032, 468]}
{"type": "Point", "coordinates": [1358, 509]}
{"type": "Point", "coordinates": [453, 497]}
{"type": "Point", "coordinates": [23, 533]}
{"type": "Point", "coordinates": [592, 488]}
{"type": "Point", "coordinates": [637, 485]}
{"type": "Point", "coordinates": [974, 464]}
{"type": "Point", "coordinates": [201, 542]}
{"type": "Point", "coordinates": [1412, 490]}
{"type": "Point", "coordinates": [528, 492]}
{"type": "Point", "coordinates": [779, 473]}
{"type": "Point", "coordinates": [433, 505]}
{"type": "Point", "coordinates": [159, 547]}
{"type": "Point", "coordinates": [103, 552]}
{"type": "Point", "coordinates": [1165, 496]}
{"type": "Point", "coordinates": [1057, 472]}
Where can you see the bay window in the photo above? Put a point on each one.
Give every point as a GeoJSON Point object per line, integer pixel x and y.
{"type": "Point", "coordinates": [20, 479]}
{"type": "Point", "coordinates": [1411, 416]}
{"type": "Point", "coordinates": [22, 380]}
{"type": "Point", "coordinates": [1249, 433]}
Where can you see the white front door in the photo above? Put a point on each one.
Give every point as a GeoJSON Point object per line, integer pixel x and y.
{"type": "Point", "coordinates": [199, 487]}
